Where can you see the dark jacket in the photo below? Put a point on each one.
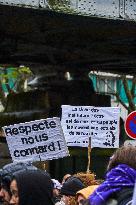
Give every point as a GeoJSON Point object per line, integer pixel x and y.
{"type": "Point", "coordinates": [123, 197]}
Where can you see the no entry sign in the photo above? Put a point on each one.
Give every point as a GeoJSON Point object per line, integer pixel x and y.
{"type": "Point", "coordinates": [130, 125]}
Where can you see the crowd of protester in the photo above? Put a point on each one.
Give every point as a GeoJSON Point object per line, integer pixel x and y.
{"type": "Point", "coordinates": [24, 184]}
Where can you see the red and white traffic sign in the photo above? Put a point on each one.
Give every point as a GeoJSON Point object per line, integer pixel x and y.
{"type": "Point", "coordinates": [130, 125]}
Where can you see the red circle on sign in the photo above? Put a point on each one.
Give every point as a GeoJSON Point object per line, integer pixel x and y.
{"type": "Point", "coordinates": [131, 118]}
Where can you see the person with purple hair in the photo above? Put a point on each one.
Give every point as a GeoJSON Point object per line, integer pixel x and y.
{"type": "Point", "coordinates": [119, 181]}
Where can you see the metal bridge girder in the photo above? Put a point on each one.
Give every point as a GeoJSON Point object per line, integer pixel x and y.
{"type": "Point", "coordinates": [115, 9]}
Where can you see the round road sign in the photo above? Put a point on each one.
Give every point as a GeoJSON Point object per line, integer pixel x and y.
{"type": "Point", "coordinates": [130, 125]}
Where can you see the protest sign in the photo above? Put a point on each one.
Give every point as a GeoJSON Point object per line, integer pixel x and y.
{"type": "Point", "coordinates": [104, 127]}
{"type": "Point", "coordinates": [38, 140]}
{"type": "Point", "coordinates": [75, 124]}
{"type": "Point", "coordinates": [100, 123]}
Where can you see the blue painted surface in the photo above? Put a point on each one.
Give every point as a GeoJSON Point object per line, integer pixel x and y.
{"type": "Point", "coordinates": [133, 125]}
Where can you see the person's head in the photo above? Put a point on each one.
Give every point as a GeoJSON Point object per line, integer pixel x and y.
{"type": "Point", "coordinates": [5, 196]}
{"type": "Point", "coordinates": [65, 178]}
{"type": "Point", "coordinates": [70, 187]}
{"type": "Point", "coordinates": [88, 179]}
{"type": "Point", "coordinates": [83, 194]}
{"type": "Point", "coordinates": [6, 176]}
{"type": "Point", "coordinates": [56, 189]}
{"type": "Point", "coordinates": [31, 187]}
{"type": "Point", "coordinates": [124, 155]}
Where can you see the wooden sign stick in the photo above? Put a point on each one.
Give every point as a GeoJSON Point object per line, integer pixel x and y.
{"type": "Point", "coordinates": [89, 156]}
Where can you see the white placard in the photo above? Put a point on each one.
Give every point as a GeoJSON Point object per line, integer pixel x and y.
{"type": "Point", "coordinates": [38, 140]}
{"type": "Point", "coordinates": [100, 123]}
{"type": "Point", "coordinates": [75, 124]}
{"type": "Point", "coordinates": [104, 127]}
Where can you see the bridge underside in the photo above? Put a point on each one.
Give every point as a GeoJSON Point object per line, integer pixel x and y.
{"type": "Point", "coordinates": [47, 40]}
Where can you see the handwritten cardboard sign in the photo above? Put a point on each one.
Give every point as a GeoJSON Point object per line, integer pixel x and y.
{"type": "Point", "coordinates": [104, 127]}
{"type": "Point", "coordinates": [100, 123]}
{"type": "Point", "coordinates": [75, 124]}
{"type": "Point", "coordinates": [38, 140]}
